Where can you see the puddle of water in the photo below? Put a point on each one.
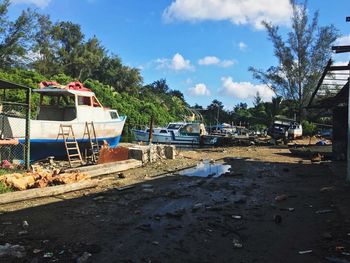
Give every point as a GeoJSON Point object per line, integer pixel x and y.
{"type": "Point", "coordinates": [205, 169]}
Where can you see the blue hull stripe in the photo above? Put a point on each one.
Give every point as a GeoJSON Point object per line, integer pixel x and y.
{"type": "Point", "coordinates": [42, 148]}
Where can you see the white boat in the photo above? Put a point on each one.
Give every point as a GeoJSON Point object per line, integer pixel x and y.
{"type": "Point", "coordinates": [180, 133]}
{"type": "Point", "coordinates": [68, 105]}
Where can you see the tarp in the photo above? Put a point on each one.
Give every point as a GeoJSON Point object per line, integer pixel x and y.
{"type": "Point", "coordinates": [75, 85]}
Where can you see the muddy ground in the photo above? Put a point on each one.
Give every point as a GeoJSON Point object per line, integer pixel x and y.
{"type": "Point", "coordinates": [167, 217]}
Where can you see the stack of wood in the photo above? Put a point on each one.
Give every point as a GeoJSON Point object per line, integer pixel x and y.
{"type": "Point", "coordinates": [39, 178]}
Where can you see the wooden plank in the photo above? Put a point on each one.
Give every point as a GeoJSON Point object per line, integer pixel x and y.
{"type": "Point", "coordinates": [9, 142]}
{"type": "Point", "coordinates": [106, 168]}
{"type": "Point", "coordinates": [45, 192]}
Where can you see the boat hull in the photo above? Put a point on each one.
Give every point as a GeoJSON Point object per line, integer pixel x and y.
{"type": "Point", "coordinates": [173, 138]}
{"type": "Point", "coordinates": [45, 140]}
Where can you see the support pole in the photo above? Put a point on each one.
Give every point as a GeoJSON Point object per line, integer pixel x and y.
{"type": "Point", "coordinates": [150, 131]}
{"type": "Point", "coordinates": [27, 135]}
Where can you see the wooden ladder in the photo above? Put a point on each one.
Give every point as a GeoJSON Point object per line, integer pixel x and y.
{"type": "Point", "coordinates": [94, 148]}
{"type": "Point", "coordinates": [71, 144]}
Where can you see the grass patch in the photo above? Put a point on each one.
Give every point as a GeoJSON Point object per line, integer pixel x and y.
{"type": "Point", "coordinates": [4, 188]}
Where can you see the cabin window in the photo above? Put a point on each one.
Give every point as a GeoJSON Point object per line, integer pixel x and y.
{"type": "Point", "coordinates": [96, 103]}
{"type": "Point", "coordinates": [48, 100]}
{"type": "Point", "coordinates": [174, 126]}
{"type": "Point", "coordinates": [86, 101]}
{"type": "Point", "coordinates": [64, 101]}
{"type": "Point", "coordinates": [163, 131]}
{"type": "Point", "coordinates": [114, 115]}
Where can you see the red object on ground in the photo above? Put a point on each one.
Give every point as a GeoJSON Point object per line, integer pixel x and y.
{"type": "Point", "coordinates": [6, 164]}
{"type": "Point", "coordinates": [108, 155]}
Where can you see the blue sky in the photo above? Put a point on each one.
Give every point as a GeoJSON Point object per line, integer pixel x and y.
{"type": "Point", "coordinates": [202, 48]}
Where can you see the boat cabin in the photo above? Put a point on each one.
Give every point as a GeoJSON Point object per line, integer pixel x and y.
{"type": "Point", "coordinates": [57, 104]}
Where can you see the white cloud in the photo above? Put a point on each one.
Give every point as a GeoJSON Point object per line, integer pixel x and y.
{"type": "Point", "coordinates": [199, 89]}
{"type": "Point", "coordinates": [244, 90]}
{"type": "Point", "coordinates": [239, 12]}
{"type": "Point", "coordinates": [227, 63]}
{"type": "Point", "coordinates": [242, 45]}
{"type": "Point", "coordinates": [212, 60]}
{"type": "Point", "coordinates": [177, 63]}
{"type": "Point", "coordinates": [343, 41]}
{"type": "Point", "coordinates": [38, 3]}
{"type": "Point", "coordinates": [209, 60]}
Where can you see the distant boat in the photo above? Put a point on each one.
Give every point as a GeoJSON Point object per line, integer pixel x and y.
{"type": "Point", "coordinates": [67, 105]}
{"type": "Point", "coordinates": [179, 133]}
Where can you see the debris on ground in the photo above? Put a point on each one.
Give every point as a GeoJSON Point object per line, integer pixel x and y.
{"type": "Point", "coordinates": [108, 155]}
{"type": "Point", "coordinates": [84, 258]}
{"type": "Point", "coordinates": [327, 189]}
{"type": "Point", "coordinates": [281, 197]}
{"type": "Point", "coordinates": [237, 243]}
{"type": "Point", "coordinates": [39, 178]}
{"type": "Point", "coordinates": [305, 252]}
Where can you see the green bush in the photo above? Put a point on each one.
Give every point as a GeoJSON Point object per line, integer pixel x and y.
{"type": "Point", "coordinates": [309, 128]}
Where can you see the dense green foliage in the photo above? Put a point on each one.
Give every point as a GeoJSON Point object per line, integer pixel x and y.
{"type": "Point", "coordinates": [309, 128]}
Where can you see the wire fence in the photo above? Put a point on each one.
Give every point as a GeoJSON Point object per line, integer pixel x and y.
{"type": "Point", "coordinates": [14, 131]}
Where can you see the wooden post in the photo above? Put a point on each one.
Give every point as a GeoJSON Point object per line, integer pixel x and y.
{"type": "Point", "coordinates": [150, 137]}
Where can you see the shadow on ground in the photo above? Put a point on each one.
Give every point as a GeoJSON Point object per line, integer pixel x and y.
{"type": "Point", "coordinates": [232, 218]}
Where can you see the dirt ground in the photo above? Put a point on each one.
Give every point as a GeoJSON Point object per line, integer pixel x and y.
{"type": "Point", "coordinates": [167, 217]}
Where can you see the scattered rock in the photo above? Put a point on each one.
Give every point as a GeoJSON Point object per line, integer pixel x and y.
{"type": "Point", "coordinates": [23, 232]}
{"type": "Point", "coordinates": [237, 243]}
{"type": "Point", "coordinates": [25, 224]}
{"type": "Point", "coordinates": [302, 252]}
{"type": "Point", "coordinates": [281, 197]}
{"type": "Point", "coordinates": [84, 258]}
{"type": "Point", "coordinates": [48, 255]}
{"type": "Point", "coordinates": [327, 189]}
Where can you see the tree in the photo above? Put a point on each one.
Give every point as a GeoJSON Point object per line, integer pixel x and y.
{"type": "Point", "coordinates": [300, 57]}
{"type": "Point", "coordinates": [178, 94]}
{"type": "Point", "coordinates": [257, 99]}
{"type": "Point", "coordinates": [14, 36]}
{"type": "Point", "coordinates": [273, 108]}
{"type": "Point", "coordinates": [122, 78]}
{"type": "Point", "coordinates": [45, 46]}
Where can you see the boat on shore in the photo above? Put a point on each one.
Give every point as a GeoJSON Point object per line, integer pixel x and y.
{"type": "Point", "coordinates": [73, 105]}
{"type": "Point", "coordinates": [178, 133]}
